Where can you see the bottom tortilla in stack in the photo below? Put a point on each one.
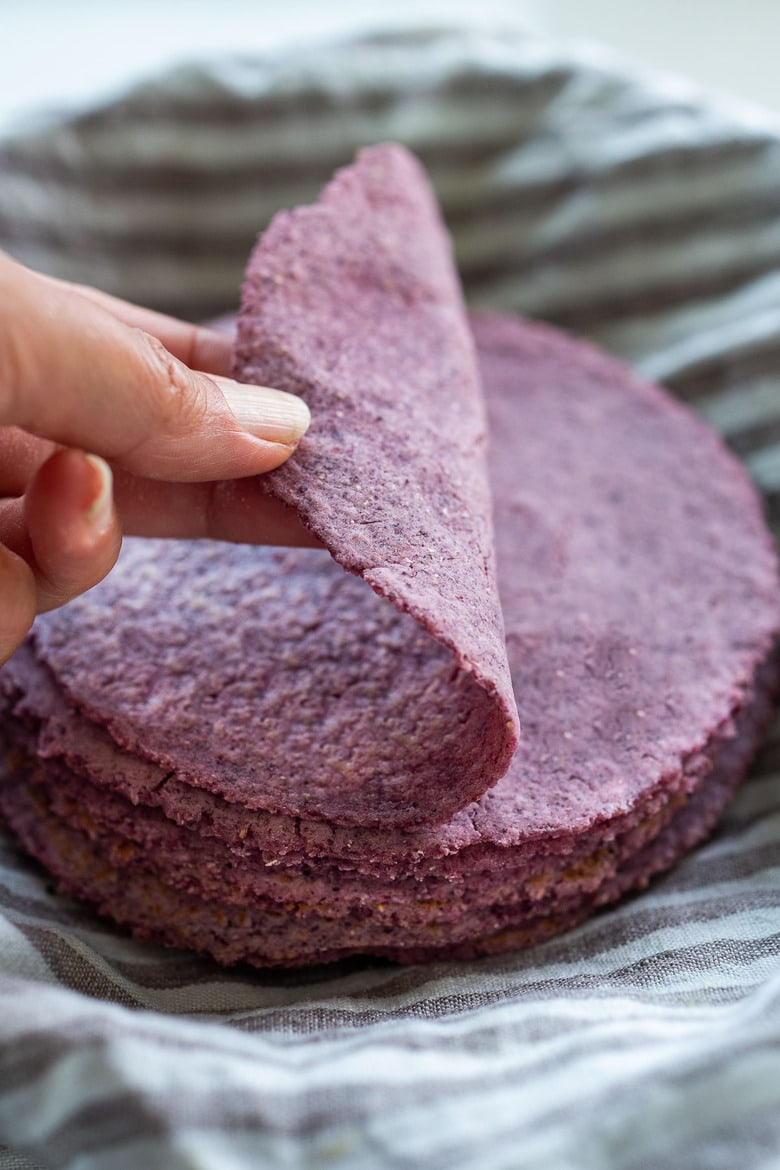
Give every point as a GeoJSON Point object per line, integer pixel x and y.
{"type": "Point", "coordinates": [639, 594]}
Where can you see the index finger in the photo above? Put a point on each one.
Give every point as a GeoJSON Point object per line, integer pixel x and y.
{"type": "Point", "coordinates": [198, 346]}
{"type": "Point", "coordinates": [72, 372]}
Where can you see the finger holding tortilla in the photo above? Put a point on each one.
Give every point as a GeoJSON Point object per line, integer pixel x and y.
{"type": "Point", "coordinates": [198, 346]}
{"type": "Point", "coordinates": [237, 510]}
{"type": "Point", "coordinates": [21, 455]}
{"type": "Point", "coordinates": [56, 541]}
{"type": "Point", "coordinates": [71, 371]}
{"type": "Point", "coordinates": [17, 589]}
{"type": "Point", "coordinates": [73, 526]}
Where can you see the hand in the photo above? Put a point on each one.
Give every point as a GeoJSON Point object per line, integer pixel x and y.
{"type": "Point", "coordinates": [117, 418]}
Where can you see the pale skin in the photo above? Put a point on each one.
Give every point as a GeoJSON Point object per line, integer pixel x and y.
{"type": "Point", "coordinates": [115, 419]}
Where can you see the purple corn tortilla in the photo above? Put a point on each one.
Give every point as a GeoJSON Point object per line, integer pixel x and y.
{"type": "Point", "coordinates": [354, 304]}
{"type": "Point", "coordinates": [639, 591]}
{"type": "Point", "coordinates": [288, 931]}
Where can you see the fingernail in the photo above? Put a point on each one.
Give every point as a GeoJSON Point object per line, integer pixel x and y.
{"type": "Point", "coordinates": [98, 511]}
{"type": "Point", "coordinates": [268, 414]}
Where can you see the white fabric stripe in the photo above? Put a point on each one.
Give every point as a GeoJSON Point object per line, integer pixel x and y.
{"type": "Point", "coordinates": [273, 1059]}
{"type": "Point", "coordinates": [631, 271]}
{"type": "Point", "coordinates": [739, 407]}
{"type": "Point", "coordinates": [22, 960]}
{"type": "Point", "coordinates": [765, 467]}
{"type": "Point", "coordinates": [704, 334]}
{"type": "Point", "coordinates": [645, 1051]}
{"type": "Point", "coordinates": [293, 139]}
{"type": "Point", "coordinates": [9, 1160]}
{"type": "Point", "coordinates": [534, 166]}
{"type": "Point", "coordinates": [240, 209]}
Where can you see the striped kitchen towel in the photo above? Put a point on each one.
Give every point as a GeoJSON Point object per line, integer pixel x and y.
{"type": "Point", "coordinates": [635, 211]}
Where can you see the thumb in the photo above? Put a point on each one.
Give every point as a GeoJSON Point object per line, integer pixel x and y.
{"type": "Point", "coordinates": [71, 372]}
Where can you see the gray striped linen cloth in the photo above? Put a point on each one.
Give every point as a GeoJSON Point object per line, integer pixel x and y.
{"type": "Point", "coordinates": [630, 209]}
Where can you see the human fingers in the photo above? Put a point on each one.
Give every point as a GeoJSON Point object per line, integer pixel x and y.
{"type": "Point", "coordinates": [198, 346]}
{"type": "Point", "coordinates": [237, 510]}
{"type": "Point", "coordinates": [21, 454]}
{"type": "Point", "coordinates": [73, 373]}
{"type": "Point", "coordinates": [17, 610]}
{"type": "Point", "coordinates": [72, 533]}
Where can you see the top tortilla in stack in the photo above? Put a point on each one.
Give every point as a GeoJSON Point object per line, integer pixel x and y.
{"type": "Point", "coordinates": [209, 719]}
{"type": "Point", "coordinates": [354, 304]}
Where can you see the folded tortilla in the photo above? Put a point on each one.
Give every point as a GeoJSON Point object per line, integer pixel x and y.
{"type": "Point", "coordinates": [251, 752]}
{"type": "Point", "coordinates": [354, 304]}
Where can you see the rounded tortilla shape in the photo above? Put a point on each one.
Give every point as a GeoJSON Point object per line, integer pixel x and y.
{"type": "Point", "coordinates": [353, 303]}
{"type": "Point", "coordinates": [639, 590]}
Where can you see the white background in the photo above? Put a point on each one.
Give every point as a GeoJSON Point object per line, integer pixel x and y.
{"type": "Point", "coordinates": [73, 52]}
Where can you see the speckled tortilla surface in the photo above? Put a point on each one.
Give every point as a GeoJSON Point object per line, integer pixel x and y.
{"type": "Point", "coordinates": [353, 303]}
{"type": "Point", "coordinates": [639, 594]}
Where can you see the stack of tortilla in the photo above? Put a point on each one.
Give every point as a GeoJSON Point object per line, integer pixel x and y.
{"type": "Point", "coordinates": [289, 756]}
